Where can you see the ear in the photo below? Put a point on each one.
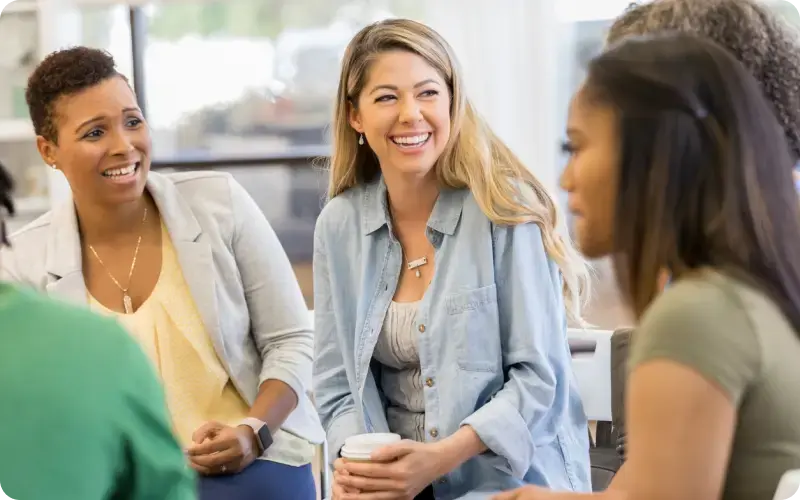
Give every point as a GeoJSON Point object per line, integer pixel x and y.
{"type": "Point", "coordinates": [47, 150]}
{"type": "Point", "coordinates": [355, 120]}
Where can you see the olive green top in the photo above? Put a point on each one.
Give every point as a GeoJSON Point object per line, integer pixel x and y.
{"type": "Point", "coordinates": [736, 337]}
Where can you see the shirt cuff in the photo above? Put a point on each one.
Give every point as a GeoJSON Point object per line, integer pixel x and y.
{"type": "Point", "coordinates": [341, 428]}
{"type": "Point", "coordinates": [288, 377]}
{"type": "Point", "coordinates": [503, 430]}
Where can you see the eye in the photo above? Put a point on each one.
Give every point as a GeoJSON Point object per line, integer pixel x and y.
{"type": "Point", "coordinates": [429, 93]}
{"type": "Point", "coordinates": [384, 98]}
{"type": "Point", "coordinates": [93, 134]}
{"type": "Point", "coordinates": [567, 147]}
{"type": "Point", "coordinates": [134, 122]}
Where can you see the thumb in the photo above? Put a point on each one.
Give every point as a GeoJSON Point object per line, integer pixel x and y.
{"type": "Point", "coordinates": [508, 495]}
{"type": "Point", "coordinates": [206, 430]}
{"type": "Point", "coordinates": [392, 452]}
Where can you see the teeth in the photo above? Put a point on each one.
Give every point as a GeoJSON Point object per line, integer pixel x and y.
{"type": "Point", "coordinates": [117, 172]}
{"type": "Point", "coordinates": [411, 141]}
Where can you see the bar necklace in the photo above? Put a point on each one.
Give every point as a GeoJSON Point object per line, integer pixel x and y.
{"type": "Point", "coordinates": [414, 265]}
{"type": "Point", "coordinates": [127, 302]}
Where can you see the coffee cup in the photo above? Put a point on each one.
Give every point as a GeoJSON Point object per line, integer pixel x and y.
{"type": "Point", "coordinates": [359, 448]}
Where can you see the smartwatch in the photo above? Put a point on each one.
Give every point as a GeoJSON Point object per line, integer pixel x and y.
{"type": "Point", "coordinates": [263, 435]}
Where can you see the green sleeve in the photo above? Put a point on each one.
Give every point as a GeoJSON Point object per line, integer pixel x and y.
{"type": "Point", "coordinates": [702, 324]}
{"type": "Point", "coordinates": [156, 465]}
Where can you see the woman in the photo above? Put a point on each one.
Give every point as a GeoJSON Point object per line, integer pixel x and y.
{"type": "Point", "coordinates": [439, 284]}
{"type": "Point", "coordinates": [748, 29]}
{"type": "Point", "coordinates": [752, 32]}
{"type": "Point", "coordinates": [190, 266]}
{"type": "Point", "coordinates": [54, 416]}
{"type": "Point", "coordinates": [677, 162]}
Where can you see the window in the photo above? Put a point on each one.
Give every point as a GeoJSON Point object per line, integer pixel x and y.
{"type": "Point", "coordinates": [204, 103]}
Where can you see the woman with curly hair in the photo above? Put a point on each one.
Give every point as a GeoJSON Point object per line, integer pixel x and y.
{"type": "Point", "coordinates": [190, 265]}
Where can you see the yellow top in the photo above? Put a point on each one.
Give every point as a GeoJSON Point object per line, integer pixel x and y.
{"type": "Point", "coordinates": [198, 389]}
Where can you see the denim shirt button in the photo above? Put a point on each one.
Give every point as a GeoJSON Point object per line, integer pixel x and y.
{"type": "Point", "coordinates": [429, 382]}
{"type": "Point", "coordinates": [421, 328]}
{"type": "Point", "coordinates": [434, 433]}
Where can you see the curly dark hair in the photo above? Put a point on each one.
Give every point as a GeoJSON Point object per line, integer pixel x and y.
{"type": "Point", "coordinates": [6, 202]}
{"type": "Point", "coordinates": [766, 45]}
{"type": "Point", "coordinates": [64, 72]}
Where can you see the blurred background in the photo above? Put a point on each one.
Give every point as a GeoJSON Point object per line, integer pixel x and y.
{"type": "Point", "coordinates": [247, 86]}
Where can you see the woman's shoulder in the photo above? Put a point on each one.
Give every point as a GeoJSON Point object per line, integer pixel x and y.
{"type": "Point", "coordinates": [343, 211]}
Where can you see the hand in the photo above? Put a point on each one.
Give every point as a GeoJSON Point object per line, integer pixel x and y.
{"type": "Point", "coordinates": [339, 490]}
{"type": "Point", "coordinates": [536, 493]}
{"type": "Point", "coordinates": [222, 449]}
{"type": "Point", "coordinates": [397, 471]}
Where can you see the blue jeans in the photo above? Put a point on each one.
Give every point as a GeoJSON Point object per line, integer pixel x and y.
{"type": "Point", "coordinates": [263, 480]}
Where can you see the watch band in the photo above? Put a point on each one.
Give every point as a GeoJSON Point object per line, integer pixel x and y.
{"type": "Point", "coordinates": [262, 432]}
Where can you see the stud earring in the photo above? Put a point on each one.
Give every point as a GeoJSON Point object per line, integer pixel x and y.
{"type": "Point", "coordinates": [361, 139]}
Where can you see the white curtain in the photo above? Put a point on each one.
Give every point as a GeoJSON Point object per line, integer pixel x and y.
{"type": "Point", "coordinates": [512, 53]}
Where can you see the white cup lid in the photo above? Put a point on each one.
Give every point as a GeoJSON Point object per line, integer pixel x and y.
{"type": "Point", "coordinates": [361, 446]}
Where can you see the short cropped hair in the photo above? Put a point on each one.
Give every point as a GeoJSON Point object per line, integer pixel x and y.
{"type": "Point", "coordinates": [61, 73]}
{"type": "Point", "coordinates": [766, 45]}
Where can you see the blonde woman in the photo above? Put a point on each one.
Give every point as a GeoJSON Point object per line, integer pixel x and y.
{"type": "Point", "coordinates": [442, 289]}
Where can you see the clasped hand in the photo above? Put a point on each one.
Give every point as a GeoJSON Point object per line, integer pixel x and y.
{"type": "Point", "coordinates": [222, 449]}
{"type": "Point", "coordinates": [396, 472]}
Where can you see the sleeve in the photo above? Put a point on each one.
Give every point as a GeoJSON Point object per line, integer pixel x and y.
{"type": "Point", "coordinates": [281, 324]}
{"type": "Point", "coordinates": [701, 325]}
{"type": "Point", "coordinates": [334, 401]}
{"type": "Point", "coordinates": [533, 336]}
{"type": "Point", "coordinates": [156, 466]}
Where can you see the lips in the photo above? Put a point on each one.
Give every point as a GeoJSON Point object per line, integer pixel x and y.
{"type": "Point", "coordinates": [411, 141]}
{"type": "Point", "coordinates": [119, 172]}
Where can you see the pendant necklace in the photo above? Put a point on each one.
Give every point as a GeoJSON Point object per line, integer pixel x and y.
{"type": "Point", "coordinates": [414, 265]}
{"type": "Point", "coordinates": [127, 302]}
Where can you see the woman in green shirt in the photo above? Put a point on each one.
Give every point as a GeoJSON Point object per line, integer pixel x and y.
{"type": "Point", "coordinates": [82, 415]}
{"type": "Point", "coordinates": [677, 162]}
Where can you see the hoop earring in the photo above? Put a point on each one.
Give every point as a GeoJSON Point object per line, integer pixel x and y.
{"type": "Point", "coordinates": [361, 139]}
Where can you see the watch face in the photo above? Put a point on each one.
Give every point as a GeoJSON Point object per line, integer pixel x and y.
{"type": "Point", "coordinates": [265, 437]}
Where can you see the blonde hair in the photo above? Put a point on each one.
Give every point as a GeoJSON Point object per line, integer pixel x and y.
{"type": "Point", "coordinates": [474, 157]}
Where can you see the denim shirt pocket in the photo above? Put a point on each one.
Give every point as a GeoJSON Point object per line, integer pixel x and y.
{"type": "Point", "coordinates": [472, 319]}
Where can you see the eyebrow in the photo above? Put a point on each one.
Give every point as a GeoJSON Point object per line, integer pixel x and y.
{"type": "Point", "coordinates": [395, 88]}
{"type": "Point", "coordinates": [102, 117]}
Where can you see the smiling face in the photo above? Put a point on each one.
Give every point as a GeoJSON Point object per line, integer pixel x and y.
{"type": "Point", "coordinates": [103, 145]}
{"type": "Point", "coordinates": [590, 177]}
{"type": "Point", "coordinates": [404, 113]}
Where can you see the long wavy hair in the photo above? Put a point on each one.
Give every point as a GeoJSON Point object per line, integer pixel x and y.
{"type": "Point", "coordinates": [474, 157]}
{"type": "Point", "coordinates": [705, 173]}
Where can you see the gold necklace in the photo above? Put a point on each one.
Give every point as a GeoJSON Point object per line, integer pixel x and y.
{"type": "Point", "coordinates": [127, 302]}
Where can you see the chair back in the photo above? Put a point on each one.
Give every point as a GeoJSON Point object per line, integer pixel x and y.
{"type": "Point", "coordinates": [789, 487]}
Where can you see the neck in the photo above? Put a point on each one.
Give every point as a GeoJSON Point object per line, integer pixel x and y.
{"type": "Point", "coordinates": [411, 199]}
{"type": "Point", "coordinates": [103, 224]}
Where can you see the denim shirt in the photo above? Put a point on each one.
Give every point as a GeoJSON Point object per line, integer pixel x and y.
{"type": "Point", "coordinates": [492, 340]}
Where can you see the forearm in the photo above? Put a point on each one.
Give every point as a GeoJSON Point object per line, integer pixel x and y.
{"type": "Point", "coordinates": [463, 445]}
{"type": "Point", "coordinates": [274, 403]}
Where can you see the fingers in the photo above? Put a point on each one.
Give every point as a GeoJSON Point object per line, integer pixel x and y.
{"type": "Point", "coordinates": [364, 484]}
{"type": "Point", "coordinates": [370, 470]}
{"type": "Point", "coordinates": [340, 465]}
{"type": "Point", "coordinates": [206, 430]}
{"type": "Point", "coordinates": [217, 460]}
{"type": "Point", "coordinates": [338, 489]}
{"type": "Point", "coordinates": [221, 441]}
{"type": "Point", "coordinates": [375, 495]}
{"type": "Point", "coordinates": [395, 451]}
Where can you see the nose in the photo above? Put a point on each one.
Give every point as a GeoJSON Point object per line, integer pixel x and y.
{"type": "Point", "coordinates": [566, 181]}
{"type": "Point", "coordinates": [121, 144]}
{"type": "Point", "coordinates": [410, 111]}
